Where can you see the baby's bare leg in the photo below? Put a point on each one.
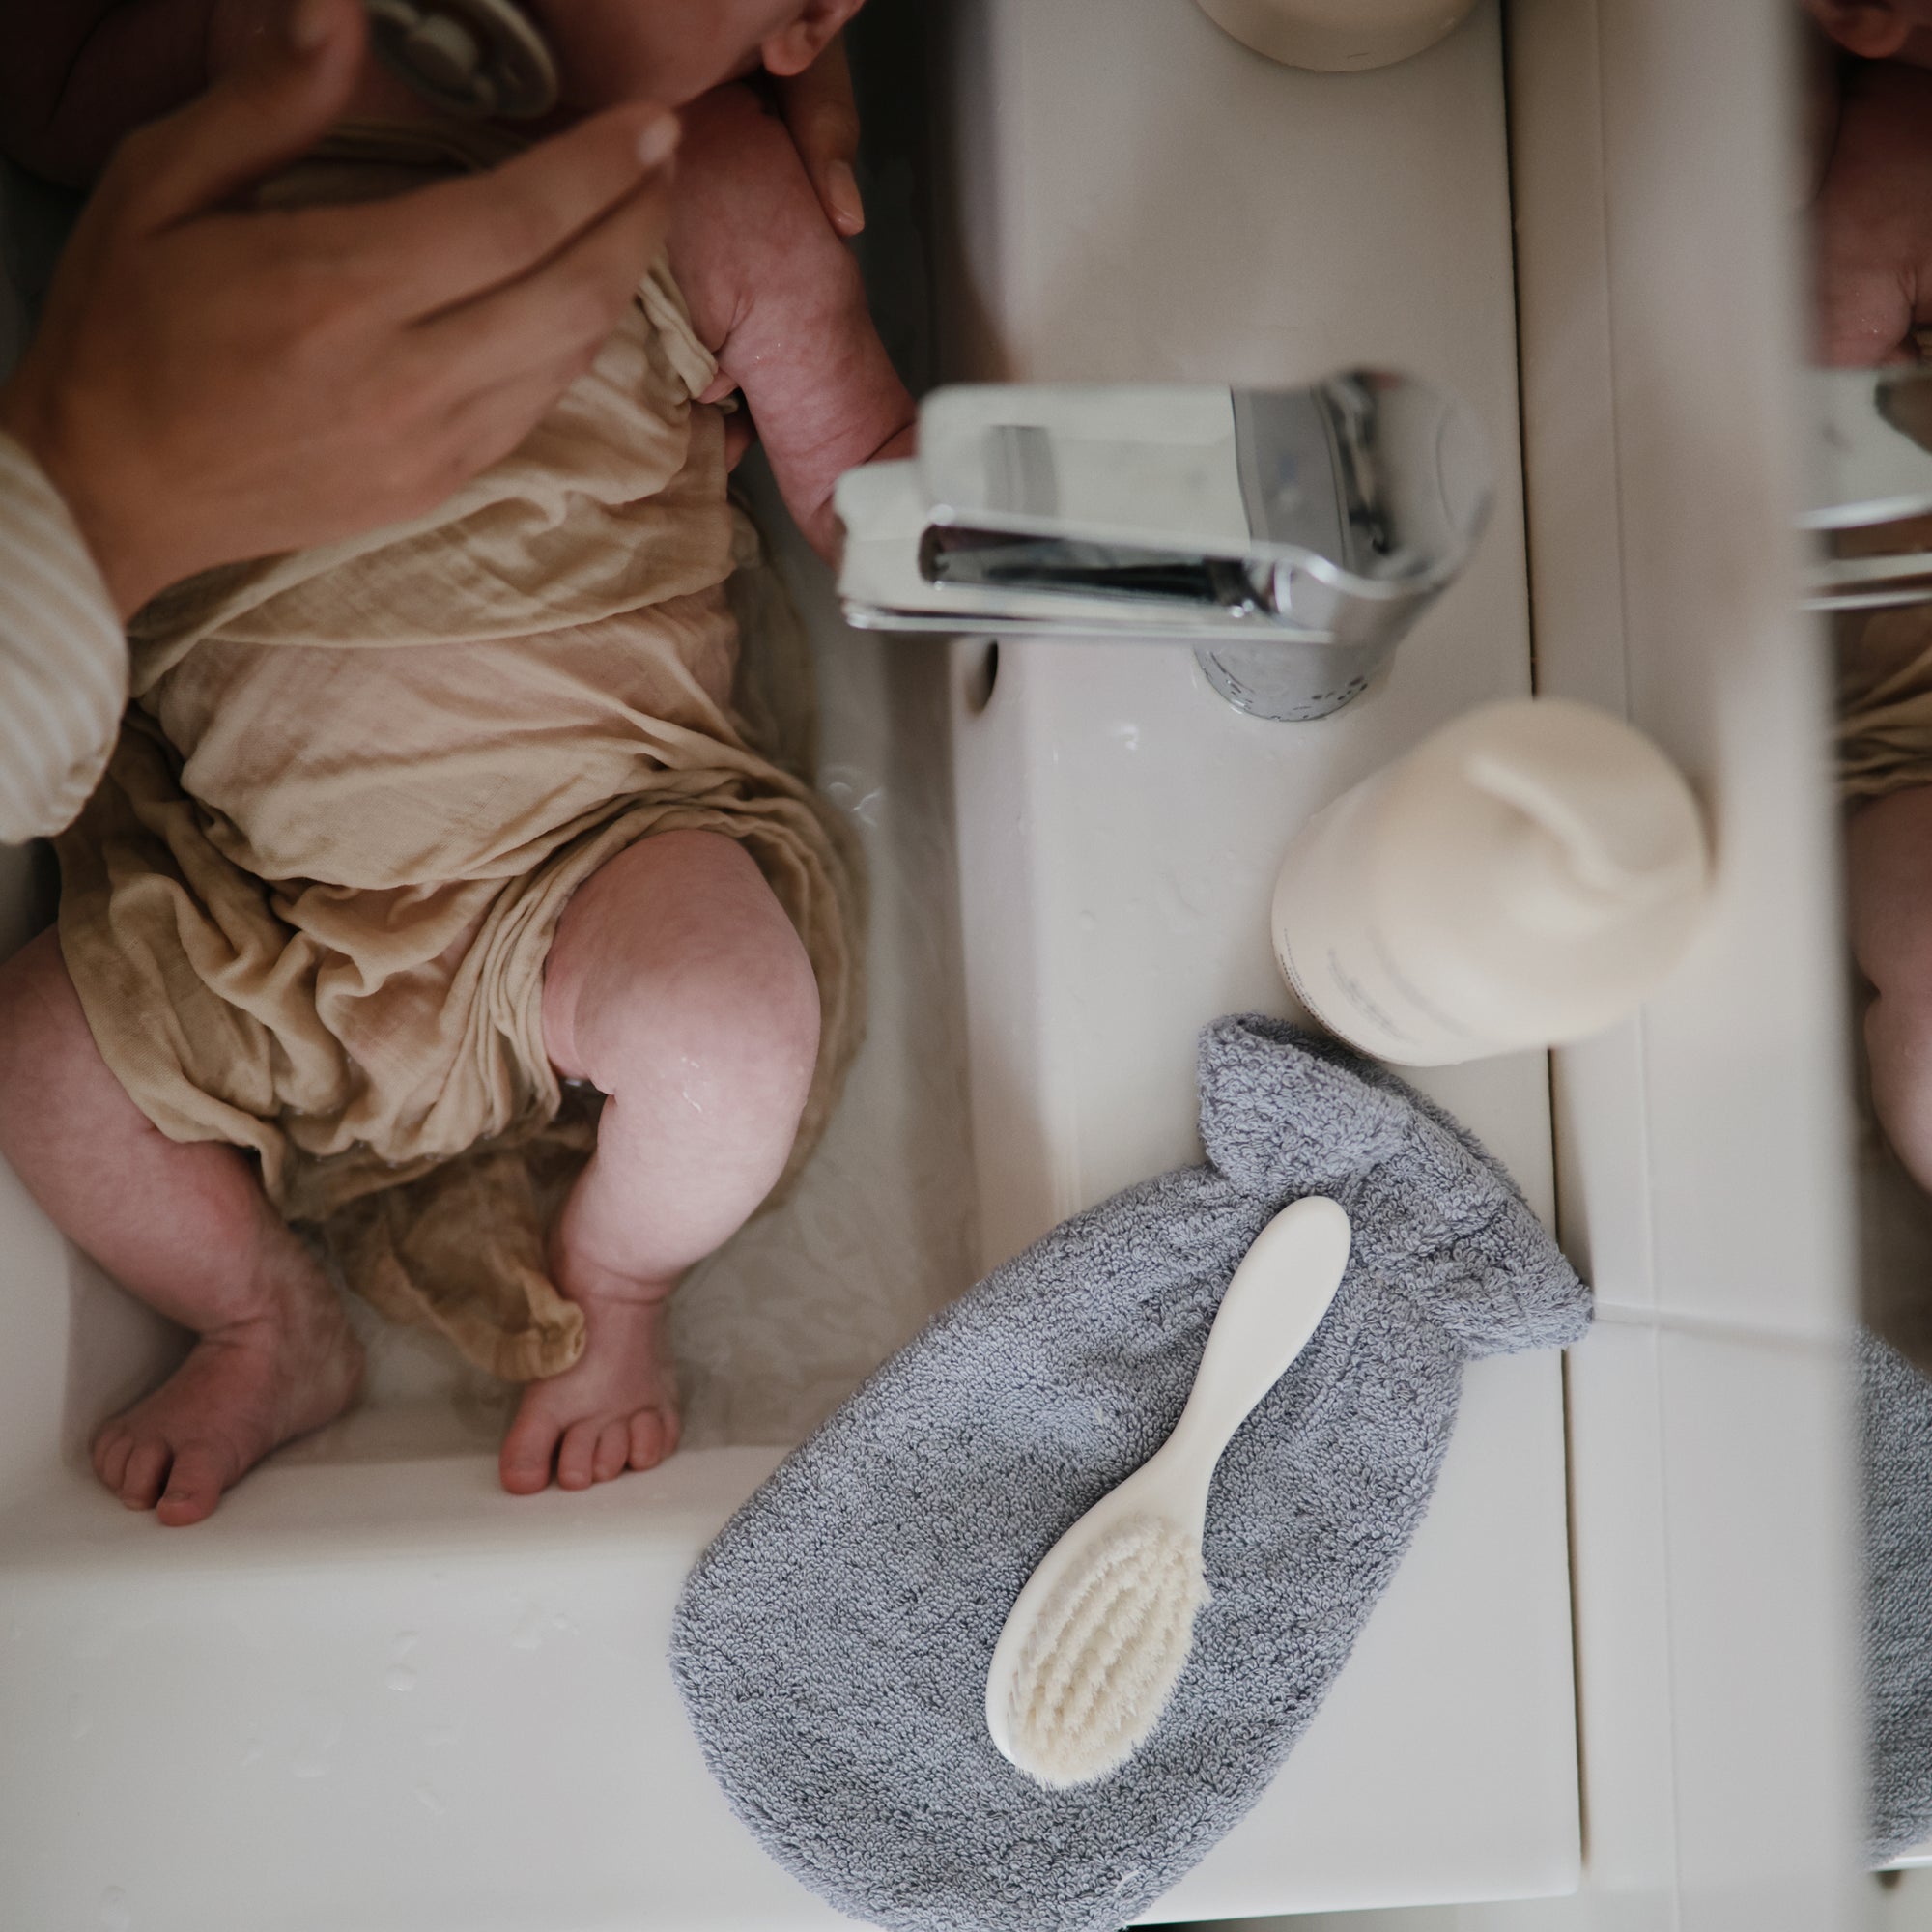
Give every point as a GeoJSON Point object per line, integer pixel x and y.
{"type": "Point", "coordinates": [677, 987]}
{"type": "Point", "coordinates": [188, 1229]}
{"type": "Point", "coordinates": [1888, 856]}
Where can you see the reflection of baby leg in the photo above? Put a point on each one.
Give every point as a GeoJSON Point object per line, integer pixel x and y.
{"type": "Point", "coordinates": [188, 1230]}
{"type": "Point", "coordinates": [1888, 854]}
{"type": "Point", "coordinates": [677, 987]}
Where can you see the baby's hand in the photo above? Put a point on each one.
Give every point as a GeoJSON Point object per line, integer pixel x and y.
{"type": "Point", "coordinates": [1874, 220]}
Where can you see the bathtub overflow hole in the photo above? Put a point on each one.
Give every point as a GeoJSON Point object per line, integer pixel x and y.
{"type": "Point", "coordinates": [980, 678]}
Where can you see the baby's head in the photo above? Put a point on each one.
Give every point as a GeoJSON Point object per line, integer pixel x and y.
{"type": "Point", "coordinates": [1878, 29]}
{"type": "Point", "coordinates": [674, 51]}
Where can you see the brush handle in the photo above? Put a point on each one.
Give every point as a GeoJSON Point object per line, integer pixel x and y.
{"type": "Point", "coordinates": [1275, 1302]}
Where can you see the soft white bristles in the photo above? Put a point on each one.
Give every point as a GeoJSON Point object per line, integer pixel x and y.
{"type": "Point", "coordinates": [1102, 1656]}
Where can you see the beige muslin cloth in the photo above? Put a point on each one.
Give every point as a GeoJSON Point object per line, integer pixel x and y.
{"type": "Point", "coordinates": [1885, 700]}
{"type": "Point", "coordinates": [307, 911]}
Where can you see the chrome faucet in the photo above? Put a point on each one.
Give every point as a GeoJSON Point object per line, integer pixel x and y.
{"type": "Point", "coordinates": [1870, 488]}
{"type": "Point", "coordinates": [1292, 537]}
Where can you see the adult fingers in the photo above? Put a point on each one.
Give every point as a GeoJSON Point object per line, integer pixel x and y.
{"type": "Point", "coordinates": [564, 310]}
{"type": "Point", "coordinates": [441, 246]}
{"type": "Point", "coordinates": [484, 426]}
{"type": "Point", "coordinates": [470, 429]}
{"type": "Point", "coordinates": [269, 111]}
{"type": "Point", "coordinates": [823, 116]}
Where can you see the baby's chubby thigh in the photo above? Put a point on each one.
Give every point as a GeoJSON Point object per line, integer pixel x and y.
{"type": "Point", "coordinates": [678, 987]}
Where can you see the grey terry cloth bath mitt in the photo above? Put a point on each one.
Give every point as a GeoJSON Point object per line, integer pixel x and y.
{"type": "Point", "coordinates": [831, 1645]}
{"type": "Point", "coordinates": [1896, 1402]}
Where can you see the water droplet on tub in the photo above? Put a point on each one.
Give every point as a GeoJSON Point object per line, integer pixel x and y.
{"type": "Point", "coordinates": [562, 1625]}
{"type": "Point", "coordinates": [430, 1800]}
{"type": "Point", "coordinates": [80, 1718]}
{"type": "Point", "coordinates": [440, 1735]}
{"type": "Point", "coordinates": [530, 1630]}
{"type": "Point", "coordinates": [320, 1733]}
{"type": "Point", "coordinates": [1088, 922]}
{"type": "Point", "coordinates": [402, 1673]}
{"type": "Point", "coordinates": [115, 1916]}
{"type": "Point", "coordinates": [254, 1751]}
{"type": "Point", "coordinates": [1187, 896]}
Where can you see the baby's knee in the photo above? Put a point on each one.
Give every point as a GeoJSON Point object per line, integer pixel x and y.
{"type": "Point", "coordinates": [726, 1030]}
{"type": "Point", "coordinates": [743, 1026]}
{"type": "Point", "coordinates": [1898, 1050]}
{"type": "Point", "coordinates": [1890, 893]}
{"type": "Point", "coordinates": [723, 1064]}
{"type": "Point", "coordinates": [1898, 968]}
{"type": "Point", "coordinates": [38, 1007]}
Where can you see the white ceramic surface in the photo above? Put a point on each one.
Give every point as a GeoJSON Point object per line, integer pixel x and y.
{"type": "Point", "coordinates": [1705, 1145]}
{"type": "Point", "coordinates": [1205, 216]}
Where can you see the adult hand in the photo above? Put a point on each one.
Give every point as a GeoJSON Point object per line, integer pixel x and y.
{"type": "Point", "coordinates": [212, 382]}
{"type": "Point", "coordinates": [819, 109]}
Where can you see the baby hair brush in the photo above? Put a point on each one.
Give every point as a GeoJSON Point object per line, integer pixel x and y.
{"type": "Point", "coordinates": [1098, 1640]}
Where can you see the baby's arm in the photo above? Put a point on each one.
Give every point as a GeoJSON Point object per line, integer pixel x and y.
{"type": "Point", "coordinates": [1874, 220]}
{"type": "Point", "coordinates": [776, 295]}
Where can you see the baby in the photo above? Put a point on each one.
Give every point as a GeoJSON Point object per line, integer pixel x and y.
{"type": "Point", "coordinates": [407, 835]}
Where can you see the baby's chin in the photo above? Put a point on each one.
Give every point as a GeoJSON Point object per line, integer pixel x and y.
{"type": "Point", "coordinates": [384, 96]}
{"type": "Point", "coordinates": [664, 87]}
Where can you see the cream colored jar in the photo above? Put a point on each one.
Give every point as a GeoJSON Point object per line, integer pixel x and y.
{"type": "Point", "coordinates": [1525, 876]}
{"type": "Point", "coordinates": [1337, 35]}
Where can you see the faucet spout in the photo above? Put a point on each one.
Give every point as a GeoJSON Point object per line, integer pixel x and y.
{"type": "Point", "coordinates": [1292, 537]}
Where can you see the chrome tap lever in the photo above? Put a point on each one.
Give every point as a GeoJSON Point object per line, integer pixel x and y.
{"type": "Point", "coordinates": [1292, 535]}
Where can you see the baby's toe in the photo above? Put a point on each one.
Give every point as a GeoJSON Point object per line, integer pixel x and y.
{"type": "Point", "coordinates": [524, 1467]}
{"type": "Point", "coordinates": [112, 1448]}
{"type": "Point", "coordinates": [574, 1456]}
{"type": "Point", "coordinates": [199, 1474]}
{"type": "Point", "coordinates": [653, 1437]}
{"type": "Point", "coordinates": [614, 1451]}
{"type": "Point", "coordinates": [146, 1470]}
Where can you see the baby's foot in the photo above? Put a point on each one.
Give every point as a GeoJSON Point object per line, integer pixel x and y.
{"type": "Point", "coordinates": [615, 1409]}
{"type": "Point", "coordinates": [243, 1390]}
